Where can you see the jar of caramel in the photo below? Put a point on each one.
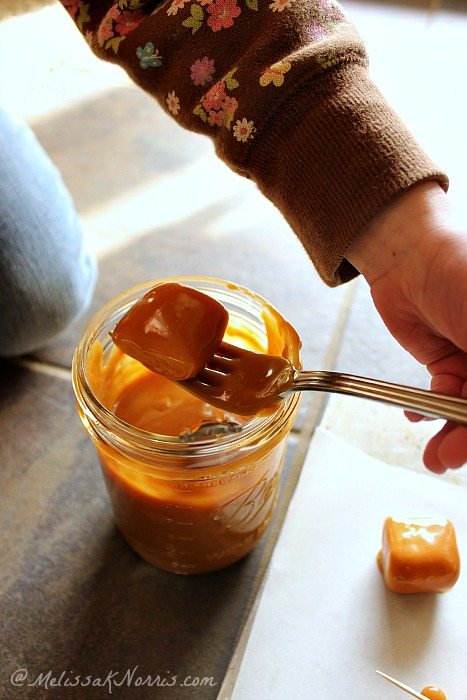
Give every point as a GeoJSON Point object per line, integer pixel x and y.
{"type": "Point", "coordinates": [192, 487]}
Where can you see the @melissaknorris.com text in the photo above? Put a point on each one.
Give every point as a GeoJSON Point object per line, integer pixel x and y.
{"type": "Point", "coordinates": [112, 680]}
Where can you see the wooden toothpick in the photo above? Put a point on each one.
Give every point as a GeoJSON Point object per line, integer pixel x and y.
{"type": "Point", "coordinates": [402, 686]}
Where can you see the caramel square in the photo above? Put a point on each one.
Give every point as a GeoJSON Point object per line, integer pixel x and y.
{"type": "Point", "coordinates": [419, 555]}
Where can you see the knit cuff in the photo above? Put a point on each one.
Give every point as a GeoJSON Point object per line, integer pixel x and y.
{"type": "Point", "coordinates": [332, 160]}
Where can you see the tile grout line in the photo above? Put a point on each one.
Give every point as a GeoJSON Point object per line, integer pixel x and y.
{"type": "Point", "coordinates": [316, 403]}
{"type": "Point", "coordinates": [311, 420]}
{"type": "Point", "coordinates": [44, 368]}
{"type": "Point", "coordinates": [329, 358]}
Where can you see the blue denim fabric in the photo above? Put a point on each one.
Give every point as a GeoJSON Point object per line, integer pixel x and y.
{"type": "Point", "coordinates": [46, 276]}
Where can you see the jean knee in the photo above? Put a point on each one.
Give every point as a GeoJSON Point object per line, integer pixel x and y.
{"type": "Point", "coordinates": [34, 311]}
{"type": "Point", "coordinates": [46, 277]}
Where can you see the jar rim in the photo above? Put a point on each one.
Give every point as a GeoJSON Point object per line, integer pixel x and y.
{"type": "Point", "coordinates": [258, 428]}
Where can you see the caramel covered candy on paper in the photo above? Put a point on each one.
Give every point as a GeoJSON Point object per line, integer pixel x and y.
{"type": "Point", "coordinates": [419, 555]}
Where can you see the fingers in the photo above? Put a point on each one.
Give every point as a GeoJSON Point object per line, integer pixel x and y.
{"type": "Point", "coordinates": [416, 417]}
{"type": "Point", "coordinates": [451, 365]}
{"type": "Point", "coordinates": [453, 384]}
{"type": "Point", "coordinates": [443, 384]}
{"type": "Point", "coordinates": [453, 449]}
{"type": "Point", "coordinates": [447, 449]}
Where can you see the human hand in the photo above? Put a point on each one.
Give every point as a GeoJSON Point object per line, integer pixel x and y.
{"type": "Point", "coordinates": [415, 261]}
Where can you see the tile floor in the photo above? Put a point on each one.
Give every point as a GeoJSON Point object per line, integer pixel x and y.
{"type": "Point", "coordinates": [80, 108]}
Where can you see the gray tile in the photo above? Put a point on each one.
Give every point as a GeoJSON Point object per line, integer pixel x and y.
{"type": "Point", "coordinates": [73, 595]}
{"type": "Point", "coordinates": [100, 164]}
{"type": "Point", "coordinates": [418, 61]}
{"type": "Point", "coordinates": [116, 141]}
{"type": "Point", "coordinates": [368, 348]}
{"type": "Point", "coordinates": [9, 8]}
{"type": "Point", "coordinates": [395, 4]}
{"type": "Point", "coordinates": [269, 261]}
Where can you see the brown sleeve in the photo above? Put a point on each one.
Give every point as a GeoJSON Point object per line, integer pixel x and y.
{"type": "Point", "coordinates": [282, 88]}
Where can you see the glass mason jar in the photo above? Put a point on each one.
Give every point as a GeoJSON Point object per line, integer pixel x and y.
{"type": "Point", "coordinates": [186, 503]}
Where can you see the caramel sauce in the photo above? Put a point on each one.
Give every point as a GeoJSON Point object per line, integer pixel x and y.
{"type": "Point", "coordinates": [180, 513]}
{"type": "Point", "coordinates": [177, 522]}
{"type": "Point", "coordinates": [247, 382]}
{"type": "Point", "coordinates": [158, 405]}
{"type": "Point", "coordinates": [173, 330]}
{"type": "Point", "coordinates": [419, 555]}
{"type": "Point", "coordinates": [433, 692]}
{"type": "Point", "coordinates": [194, 526]}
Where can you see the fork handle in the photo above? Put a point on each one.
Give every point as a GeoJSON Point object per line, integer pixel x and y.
{"type": "Point", "coordinates": [427, 403]}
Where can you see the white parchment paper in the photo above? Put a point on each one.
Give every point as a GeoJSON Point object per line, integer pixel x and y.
{"type": "Point", "coordinates": [325, 620]}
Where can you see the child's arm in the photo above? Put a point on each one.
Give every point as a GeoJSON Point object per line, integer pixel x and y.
{"type": "Point", "coordinates": [281, 86]}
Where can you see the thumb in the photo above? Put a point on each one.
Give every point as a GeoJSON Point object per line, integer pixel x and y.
{"type": "Point", "coordinates": [449, 384]}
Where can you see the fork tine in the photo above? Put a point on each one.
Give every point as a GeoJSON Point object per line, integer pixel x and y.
{"type": "Point", "coordinates": [219, 363]}
{"type": "Point", "coordinates": [241, 381]}
{"type": "Point", "coordinates": [227, 351]}
{"type": "Point", "coordinates": [224, 358]}
{"type": "Point", "coordinates": [209, 376]}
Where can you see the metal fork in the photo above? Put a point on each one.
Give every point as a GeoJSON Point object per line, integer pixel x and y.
{"type": "Point", "coordinates": [236, 378]}
{"type": "Point", "coordinates": [427, 403]}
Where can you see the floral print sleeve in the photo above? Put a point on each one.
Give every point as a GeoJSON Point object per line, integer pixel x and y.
{"type": "Point", "coordinates": [281, 86]}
